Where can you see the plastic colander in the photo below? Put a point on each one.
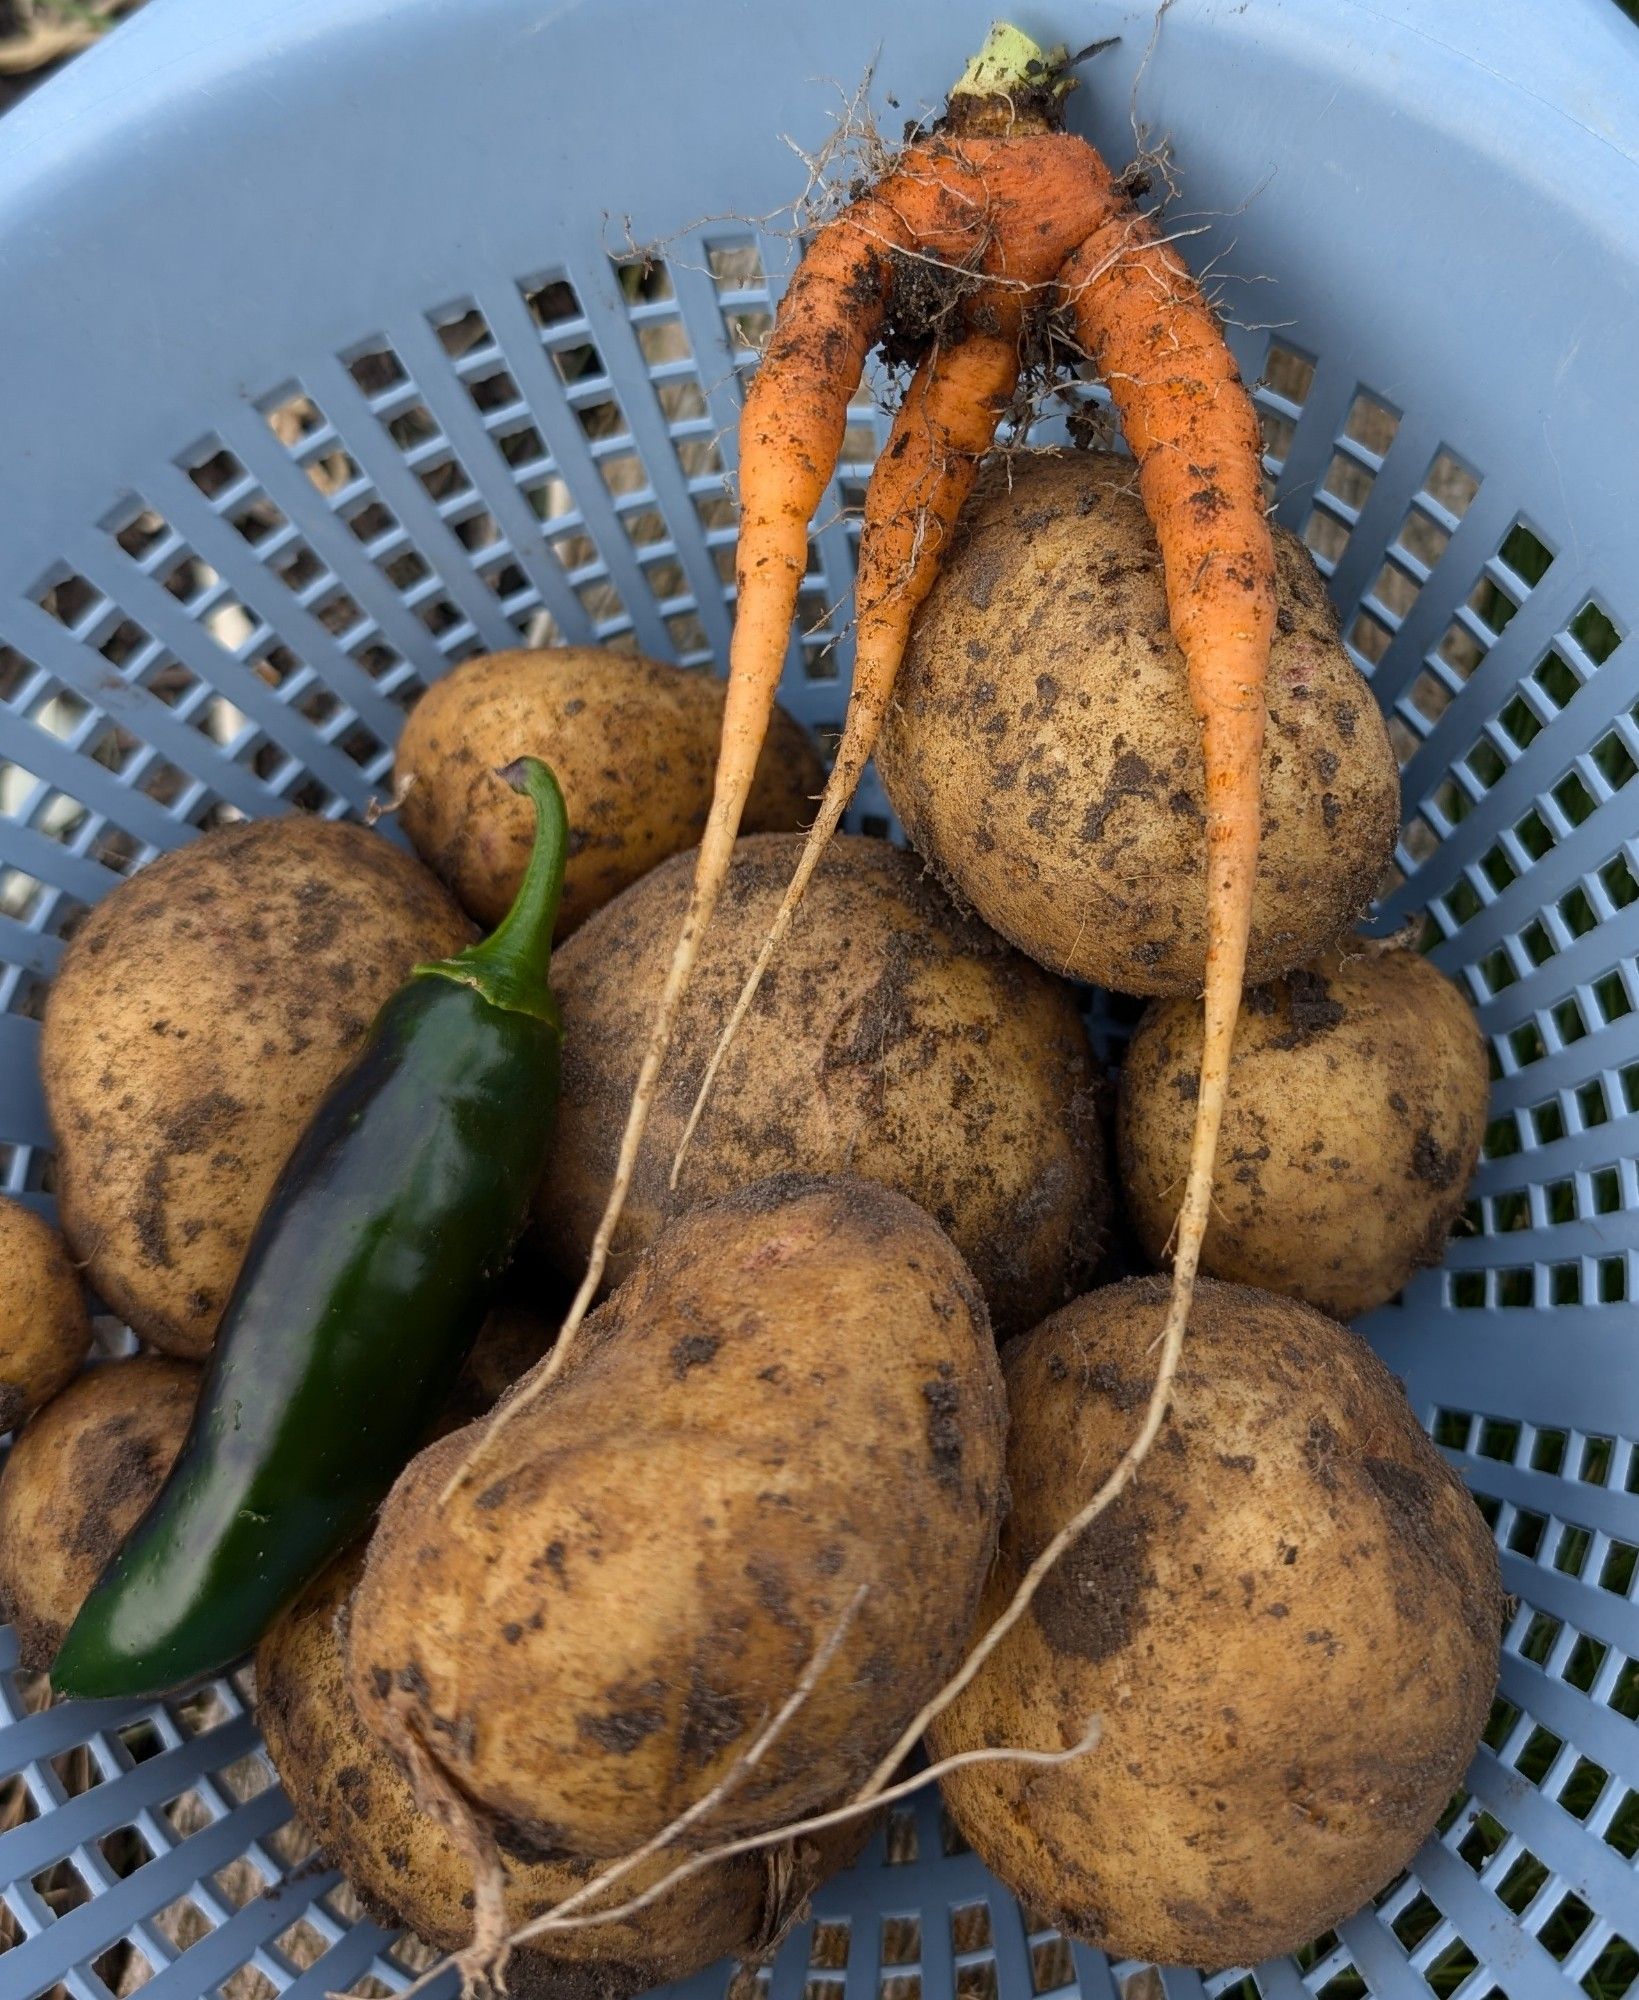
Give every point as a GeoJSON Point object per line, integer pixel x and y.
{"type": "Point", "coordinates": [325, 362]}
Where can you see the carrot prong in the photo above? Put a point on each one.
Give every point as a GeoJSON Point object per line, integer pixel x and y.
{"type": "Point", "coordinates": [1196, 438]}
{"type": "Point", "coordinates": [943, 428]}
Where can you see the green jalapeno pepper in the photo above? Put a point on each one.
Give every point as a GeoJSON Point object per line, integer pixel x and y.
{"type": "Point", "coordinates": [369, 1273]}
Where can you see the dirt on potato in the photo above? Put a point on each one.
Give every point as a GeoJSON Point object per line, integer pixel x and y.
{"type": "Point", "coordinates": [1288, 1624]}
{"type": "Point", "coordinates": [894, 1037]}
{"type": "Point", "coordinates": [633, 744]}
{"type": "Point", "coordinates": [785, 1428]}
{"type": "Point", "coordinates": [1356, 1110]}
{"type": "Point", "coordinates": [76, 1483]}
{"type": "Point", "coordinates": [200, 1013]}
{"type": "Point", "coordinates": [357, 1802]}
{"type": "Point", "coordinates": [1044, 756]}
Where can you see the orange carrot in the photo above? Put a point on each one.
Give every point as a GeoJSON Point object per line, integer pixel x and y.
{"type": "Point", "coordinates": [1192, 428]}
{"type": "Point", "coordinates": [940, 434]}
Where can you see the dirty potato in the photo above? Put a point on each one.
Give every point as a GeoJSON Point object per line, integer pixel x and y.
{"type": "Point", "coordinates": [77, 1482]}
{"type": "Point", "coordinates": [44, 1326]}
{"type": "Point", "coordinates": [200, 1013]}
{"type": "Point", "coordinates": [1043, 753]}
{"type": "Point", "coordinates": [894, 1037]}
{"type": "Point", "coordinates": [514, 1336]}
{"type": "Point", "coordinates": [1288, 1626]}
{"type": "Point", "coordinates": [356, 1801]}
{"type": "Point", "coordinates": [1357, 1099]}
{"type": "Point", "coordinates": [634, 746]}
{"type": "Point", "coordinates": [786, 1426]}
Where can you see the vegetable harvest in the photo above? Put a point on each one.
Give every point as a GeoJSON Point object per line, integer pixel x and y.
{"type": "Point", "coordinates": [1001, 194]}
{"type": "Point", "coordinates": [363, 1288]}
{"type": "Point", "coordinates": [606, 1652]}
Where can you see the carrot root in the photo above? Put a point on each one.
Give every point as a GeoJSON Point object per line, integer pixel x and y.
{"type": "Point", "coordinates": [942, 430]}
{"type": "Point", "coordinates": [1195, 436]}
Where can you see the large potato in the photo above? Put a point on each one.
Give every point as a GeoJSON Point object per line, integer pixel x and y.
{"type": "Point", "coordinates": [44, 1327]}
{"type": "Point", "coordinates": [199, 1015]}
{"type": "Point", "coordinates": [795, 1398]}
{"type": "Point", "coordinates": [1044, 755]}
{"type": "Point", "coordinates": [1288, 1625]}
{"type": "Point", "coordinates": [358, 1804]}
{"type": "Point", "coordinates": [1357, 1097]}
{"type": "Point", "coordinates": [894, 1037]}
{"type": "Point", "coordinates": [633, 744]}
{"type": "Point", "coordinates": [77, 1482]}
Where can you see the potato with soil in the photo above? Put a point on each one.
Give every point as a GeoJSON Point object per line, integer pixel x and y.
{"type": "Point", "coordinates": [1357, 1101]}
{"type": "Point", "coordinates": [200, 1013]}
{"type": "Point", "coordinates": [357, 1802]}
{"type": "Point", "coordinates": [1043, 753]}
{"type": "Point", "coordinates": [794, 1400]}
{"type": "Point", "coordinates": [1289, 1626]}
{"type": "Point", "coordinates": [44, 1326]}
{"type": "Point", "coordinates": [517, 1332]}
{"type": "Point", "coordinates": [77, 1482]}
{"type": "Point", "coordinates": [633, 744]}
{"type": "Point", "coordinates": [894, 1037]}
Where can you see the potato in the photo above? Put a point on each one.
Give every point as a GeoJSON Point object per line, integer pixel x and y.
{"type": "Point", "coordinates": [44, 1326]}
{"type": "Point", "coordinates": [1357, 1097]}
{"type": "Point", "coordinates": [200, 1013]}
{"type": "Point", "coordinates": [358, 1804]}
{"type": "Point", "coordinates": [793, 1399]}
{"type": "Point", "coordinates": [77, 1482]}
{"type": "Point", "coordinates": [634, 746]}
{"type": "Point", "coordinates": [514, 1336]}
{"type": "Point", "coordinates": [893, 1037]}
{"type": "Point", "coordinates": [1289, 1626]}
{"type": "Point", "coordinates": [1043, 753]}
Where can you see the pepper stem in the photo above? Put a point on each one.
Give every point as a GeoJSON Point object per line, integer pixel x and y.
{"type": "Point", "coordinates": [509, 967]}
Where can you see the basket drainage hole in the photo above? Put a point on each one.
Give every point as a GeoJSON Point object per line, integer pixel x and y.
{"type": "Point", "coordinates": [377, 370]}
{"type": "Point", "coordinates": [1450, 484]}
{"type": "Point", "coordinates": [1371, 423]}
{"type": "Point", "coordinates": [901, 1841]}
{"type": "Point", "coordinates": [301, 1945]}
{"type": "Point", "coordinates": [978, 1982]}
{"type": "Point", "coordinates": [125, 1850]}
{"type": "Point", "coordinates": [1290, 374]}
{"type": "Point", "coordinates": [970, 1928]}
{"type": "Point", "coordinates": [1052, 1968]}
{"type": "Point", "coordinates": [828, 1948]}
{"type": "Point", "coordinates": [122, 1968]}
{"type": "Point", "coordinates": [901, 1940]}
{"type": "Point", "coordinates": [61, 1888]}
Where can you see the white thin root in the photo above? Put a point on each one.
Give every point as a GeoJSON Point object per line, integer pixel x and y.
{"type": "Point", "coordinates": [480, 1961]}
{"type": "Point", "coordinates": [1172, 1346]}
{"type": "Point", "coordinates": [747, 1762]}
{"type": "Point", "coordinates": [491, 1947]}
{"type": "Point", "coordinates": [560, 1920]}
{"type": "Point", "coordinates": [818, 1823]}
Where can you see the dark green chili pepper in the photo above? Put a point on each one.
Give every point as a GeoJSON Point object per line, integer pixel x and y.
{"type": "Point", "coordinates": [366, 1280]}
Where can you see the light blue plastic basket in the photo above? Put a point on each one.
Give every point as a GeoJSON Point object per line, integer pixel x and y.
{"type": "Point", "coordinates": [318, 372]}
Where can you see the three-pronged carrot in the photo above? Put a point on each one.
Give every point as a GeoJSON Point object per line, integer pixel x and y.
{"type": "Point", "coordinates": [999, 194]}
